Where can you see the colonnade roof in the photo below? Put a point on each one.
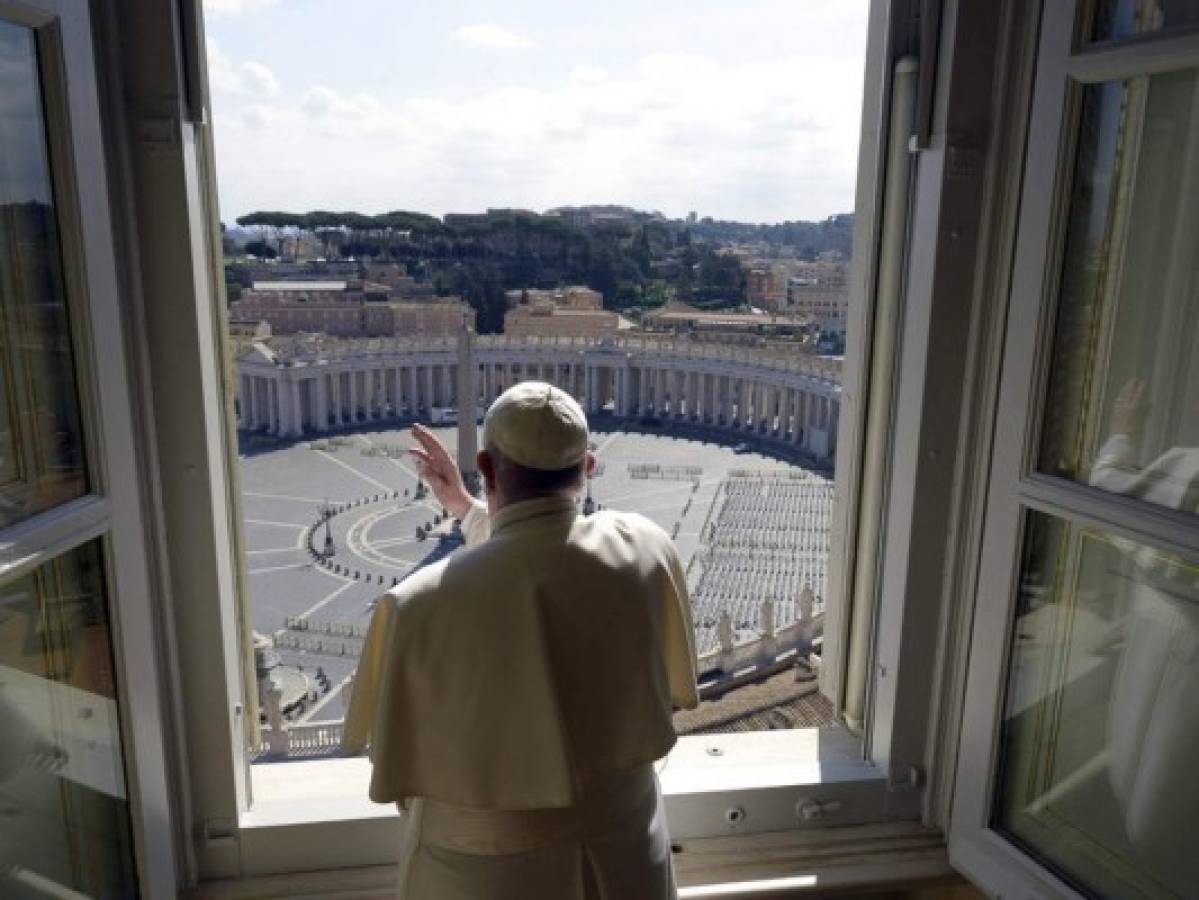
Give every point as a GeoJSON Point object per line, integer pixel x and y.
{"type": "Point", "coordinates": [308, 350]}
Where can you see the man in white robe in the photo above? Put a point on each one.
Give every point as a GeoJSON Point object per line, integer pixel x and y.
{"type": "Point", "coordinates": [1153, 724]}
{"type": "Point", "coordinates": [515, 694]}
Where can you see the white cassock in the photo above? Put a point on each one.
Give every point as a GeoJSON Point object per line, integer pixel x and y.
{"type": "Point", "coordinates": [515, 695]}
{"type": "Point", "coordinates": [1153, 719]}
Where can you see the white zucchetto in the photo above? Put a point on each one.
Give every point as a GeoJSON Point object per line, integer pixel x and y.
{"type": "Point", "coordinates": [538, 426]}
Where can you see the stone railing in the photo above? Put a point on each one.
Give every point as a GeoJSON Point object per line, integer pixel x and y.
{"type": "Point", "coordinates": [301, 352]}
{"type": "Point", "coordinates": [281, 739]}
{"type": "Point", "coordinates": [732, 664]}
{"type": "Point", "coordinates": [728, 666]}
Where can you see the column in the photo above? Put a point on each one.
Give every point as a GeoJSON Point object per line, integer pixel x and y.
{"type": "Point", "coordinates": [467, 394]}
{"type": "Point", "coordinates": [429, 400]}
{"type": "Point", "coordinates": [284, 405]}
{"type": "Point", "coordinates": [352, 411]}
{"type": "Point", "coordinates": [796, 416]}
{"type": "Point", "coordinates": [272, 405]}
{"type": "Point", "coordinates": [322, 402]}
{"type": "Point", "coordinates": [250, 410]}
{"type": "Point", "coordinates": [242, 401]}
{"type": "Point", "coordinates": [297, 421]}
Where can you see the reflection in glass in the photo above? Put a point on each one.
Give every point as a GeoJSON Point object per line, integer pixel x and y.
{"type": "Point", "coordinates": [1102, 715]}
{"type": "Point", "coordinates": [64, 815]}
{"type": "Point", "coordinates": [1123, 403]}
{"type": "Point", "coordinates": [1116, 19]}
{"type": "Point", "coordinates": [41, 460]}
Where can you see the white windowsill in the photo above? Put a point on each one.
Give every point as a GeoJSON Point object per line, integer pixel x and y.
{"type": "Point", "coordinates": [313, 815]}
{"type": "Point", "coordinates": [305, 792]}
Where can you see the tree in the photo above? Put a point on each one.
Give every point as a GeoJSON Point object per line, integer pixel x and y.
{"type": "Point", "coordinates": [261, 249]}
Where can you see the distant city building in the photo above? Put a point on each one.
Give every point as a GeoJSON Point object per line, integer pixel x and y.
{"type": "Point", "coordinates": [819, 291]}
{"type": "Point", "coordinates": [564, 312]}
{"type": "Point", "coordinates": [347, 309]}
{"type": "Point", "coordinates": [589, 216]}
{"type": "Point", "coordinates": [766, 287]}
{"type": "Point", "coordinates": [679, 317]}
{"type": "Point", "coordinates": [826, 307]}
{"type": "Point", "coordinates": [574, 297]}
{"type": "Point", "coordinates": [397, 280]}
{"type": "Point", "coordinates": [459, 220]}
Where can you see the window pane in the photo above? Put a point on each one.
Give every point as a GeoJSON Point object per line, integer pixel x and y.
{"type": "Point", "coordinates": [1123, 403]}
{"type": "Point", "coordinates": [64, 812]}
{"type": "Point", "coordinates": [41, 455]}
{"type": "Point", "coordinates": [1097, 754]}
{"type": "Point", "coordinates": [1124, 18]}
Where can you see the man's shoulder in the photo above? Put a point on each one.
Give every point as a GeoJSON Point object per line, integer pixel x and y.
{"type": "Point", "coordinates": [445, 577]}
{"type": "Point", "coordinates": [634, 529]}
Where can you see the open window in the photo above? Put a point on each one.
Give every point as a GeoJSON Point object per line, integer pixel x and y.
{"type": "Point", "coordinates": [709, 355]}
{"type": "Point", "coordinates": [1081, 701]}
{"type": "Point", "coordinates": [338, 405]}
{"type": "Point", "coordinates": [83, 773]}
{"type": "Point", "coordinates": [905, 412]}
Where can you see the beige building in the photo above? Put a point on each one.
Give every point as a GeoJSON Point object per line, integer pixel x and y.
{"type": "Point", "coordinates": [342, 310]}
{"type": "Point", "coordinates": [679, 317]}
{"type": "Point", "coordinates": [825, 306]}
{"type": "Point", "coordinates": [766, 286]}
{"type": "Point", "coordinates": [544, 319]}
{"type": "Point", "coordinates": [573, 297]}
{"type": "Point", "coordinates": [574, 311]}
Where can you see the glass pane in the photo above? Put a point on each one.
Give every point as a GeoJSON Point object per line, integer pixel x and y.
{"type": "Point", "coordinates": [64, 812]}
{"type": "Point", "coordinates": [1125, 18]}
{"type": "Point", "coordinates": [1101, 723]}
{"type": "Point", "coordinates": [41, 454]}
{"type": "Point", "coordinates": [1123, 405]}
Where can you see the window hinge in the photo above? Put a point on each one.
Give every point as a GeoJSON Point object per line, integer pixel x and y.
{"type": "Point", "coordinates": [909, 779]}
{"type": "Point", "coordinates": [220, 830]}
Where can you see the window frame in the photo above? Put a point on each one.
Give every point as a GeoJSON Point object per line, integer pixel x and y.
{"type": "Point", "coordinates": [166, 155]}
{"type": "Point", "coordinates": [112, 510]}
{"type": "Point", "coordinates": [1065, 65]}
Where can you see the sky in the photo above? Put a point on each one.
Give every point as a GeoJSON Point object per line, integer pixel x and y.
{"type": "Point", "coordinates": [736, 109]}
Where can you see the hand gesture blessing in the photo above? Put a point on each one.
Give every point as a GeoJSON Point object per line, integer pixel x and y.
{"type": "Point", "coordinates": [438, 468]}
{"type": "Point", "coordinates": [1130, 407]}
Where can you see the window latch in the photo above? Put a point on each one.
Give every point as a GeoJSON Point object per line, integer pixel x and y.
{"type": "Point", "coordinates": [812, 810]}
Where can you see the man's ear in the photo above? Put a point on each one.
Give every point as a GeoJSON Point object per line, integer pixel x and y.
{"type": "Point", "coordinates": [486, 469]}
{"type": "Point", "coordinates": [589, 464]}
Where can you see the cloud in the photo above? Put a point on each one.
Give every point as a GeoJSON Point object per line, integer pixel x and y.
{"type": "Point", "coordinates": [756, 139]}
{"type": "Point", "coordinates": [224, 8]}
{"type": "Point", "coordinates": [589, 74]}
{"type": "Point", "coordinates": [326, 103]}
{"type": "Point", "coordinates": [492, 36]}
{"type": "Point", "coordinates": [242, 78]}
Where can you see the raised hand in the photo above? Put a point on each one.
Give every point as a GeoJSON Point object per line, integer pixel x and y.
{"type": "Point", "coordinates": [1130, 407]}
{"type": "Point", "coordinates": [438, 468]}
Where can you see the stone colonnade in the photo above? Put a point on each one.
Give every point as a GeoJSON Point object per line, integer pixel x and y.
{"type": "Point", "coordinates": [312, 393]}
